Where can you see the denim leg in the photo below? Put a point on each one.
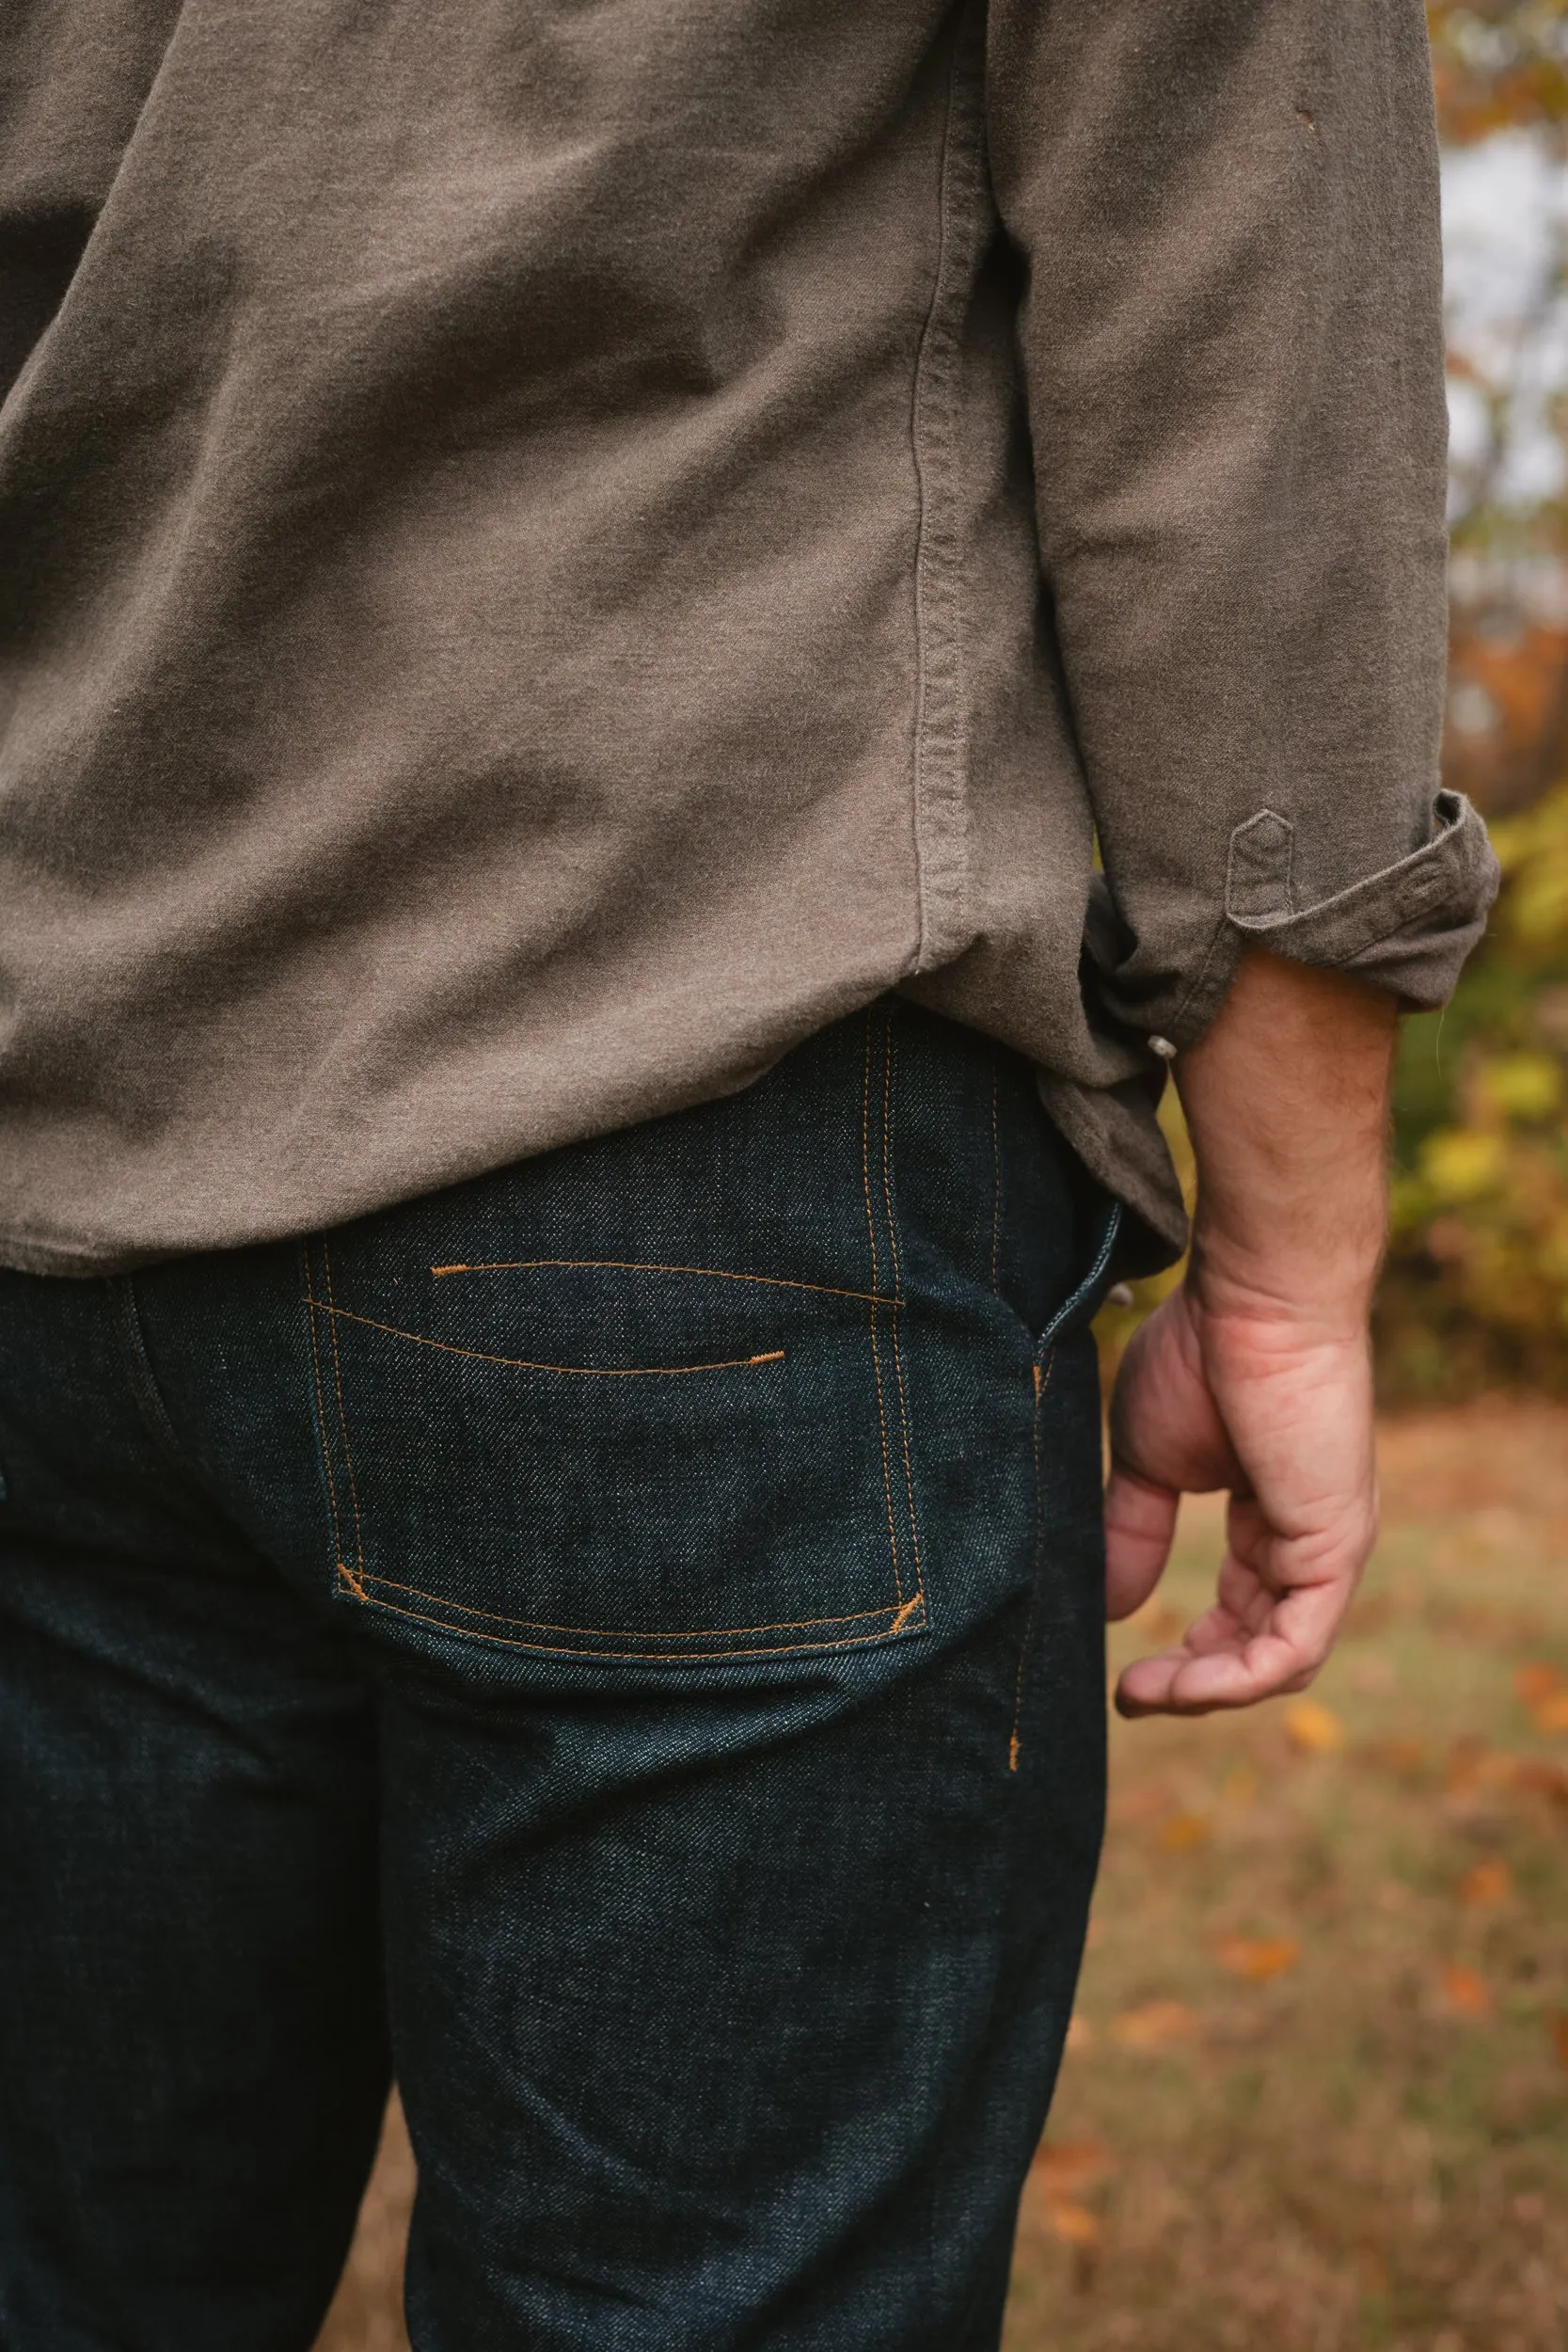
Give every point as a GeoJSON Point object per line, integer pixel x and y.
{"type": "Point", "coordinates": [725, 1551]}
{"type": "Point", "coordinates": [191, 2050]}
{"type": "Point", "coordinates": [729, 2014]}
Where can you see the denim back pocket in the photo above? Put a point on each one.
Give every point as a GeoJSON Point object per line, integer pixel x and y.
{"type": "Point", "coordinates": [563, 1443]}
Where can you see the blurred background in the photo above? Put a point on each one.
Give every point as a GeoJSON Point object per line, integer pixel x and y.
{"type": "Point", "coordinates": [1316, 2093]}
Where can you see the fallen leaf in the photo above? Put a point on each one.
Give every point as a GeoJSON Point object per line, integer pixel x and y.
{"type": "Point", "coordinates": [1541, 1778]}
{"type": "Point", "coordinates": [1374, 2272]}
{"type": "Point", "coordinates": [1403, 1756]}
{"type": "Point", "coordinates": [1551, 1714]}
{"type": "Point", "coordinates": [1075, 2224]}
{"type": "Point", "coordinates": [1486, 1883]}
{"type": "Point", "coordinates": [1313, 1729]}
{"type": "Point", "coordinates": [1064, 2165]}
{"type": "Point", "coordinates": [1153, 2024]}
{"type": "Point", "coordinates": [1259, 1957]}
{"type": "Point", "coordinates": [1185, 1831]}
{"type": "Point", "coordinates": [1557, 2026]}
{"type": "Point", "coordinates": [1467, 1765]}
{"type": "Point", "coordinates": [1537, 1682]}
{"type": "Point", "coordinates": [1464, 1992]}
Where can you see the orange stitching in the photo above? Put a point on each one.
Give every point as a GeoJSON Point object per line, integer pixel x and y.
{"type": "Point", "coordinates": [656, 1633]}
{"type": "Point", "coordinates": [996, 1181]}
{"type": "Point", "coordinates": [321, 1413]}
{"type": "Point", "coordinates": [524, 1363]}
{"type": "Point", "coordinates": [631, 1657]}
{"type": "Point", "coordinates": [897, 1288]}
{"type": "Point", "coordinates": [351, 1577]}
{"type": "Point", "coordinates": [342, 1417]}
{"type": "Point", "coordinates": [635, 1265]}
{"type": "Point", "coordinates": [1013, 1744]}
{"type": "Point", "coordinates": [876, 1284]}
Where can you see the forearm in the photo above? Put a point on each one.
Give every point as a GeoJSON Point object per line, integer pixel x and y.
{"type": "Point", "coordinates": [1257, 1374]}
{"type": "Point", "coordinates": [1287, 1103]}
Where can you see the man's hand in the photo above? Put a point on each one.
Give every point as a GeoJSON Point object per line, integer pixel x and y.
{"type": "Point", "coordinates": [1256, 1375]}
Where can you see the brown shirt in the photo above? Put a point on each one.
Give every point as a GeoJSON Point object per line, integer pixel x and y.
{"type": "Point", "coordinates": [548, 551]}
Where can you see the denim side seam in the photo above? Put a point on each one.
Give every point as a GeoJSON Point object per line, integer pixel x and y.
{"type": "Point", "coordinates": [1042, 1381]}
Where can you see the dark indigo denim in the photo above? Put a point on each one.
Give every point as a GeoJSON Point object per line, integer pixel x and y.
{"type": "Point", "coordinates": [621, 1639]}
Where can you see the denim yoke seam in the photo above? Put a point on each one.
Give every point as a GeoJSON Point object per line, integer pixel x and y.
{"type": "Point", "coordinates": [358, 1580]}
{"type": "Point", "coordinates": [331, 1476]}
{"type": "Point", "coordinates": [354, 1578]}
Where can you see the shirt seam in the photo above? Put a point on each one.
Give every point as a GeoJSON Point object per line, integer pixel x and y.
{"type": "Point", "coordinates": [939, 811]}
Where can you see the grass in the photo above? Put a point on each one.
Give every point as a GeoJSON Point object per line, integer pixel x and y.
{"type": "Point", "coordinates": [1316, 2093]}
{"type": "Point", "coordinates": [1318, 2083]}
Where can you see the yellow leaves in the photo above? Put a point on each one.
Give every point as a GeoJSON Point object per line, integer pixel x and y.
{"type": "Point", "coordinates": [1155, 2024]}
{"type": "Point", "coordinates": [1526, 1087]}
{"type": "Point", "coordinates": [1551, 1714]}
{"type": "Point", "coordinates": [1487, 1883]}
{"type": "Point", "coordinates": [1463, 1164]}
{"type": "Point", "coordinates": [1313, 1729]}
{"type": "Point", "coordinates": [1464, 1992]}
{"type": "Point", "coordinates": [1259, 1957]}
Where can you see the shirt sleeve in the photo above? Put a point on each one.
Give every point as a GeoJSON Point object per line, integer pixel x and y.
{"type": "Point", "coordinates": [1231, 339]}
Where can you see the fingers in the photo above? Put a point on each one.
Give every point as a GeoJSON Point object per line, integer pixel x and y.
{"type": "Point", "coordinates": [1140, 1521]}
{"type": "Point", "coordinates": [1235, 1657]}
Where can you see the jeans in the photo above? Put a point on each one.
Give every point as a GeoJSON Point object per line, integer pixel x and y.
{"type": "Point", "coordinates": [620, 1643]}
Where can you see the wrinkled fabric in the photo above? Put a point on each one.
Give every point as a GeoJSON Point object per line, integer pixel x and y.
{"type": "Point", "coordinates": [547, 553]}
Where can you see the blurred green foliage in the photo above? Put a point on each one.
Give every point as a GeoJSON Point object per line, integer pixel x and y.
{"type": "Point", "coordinates": [1476, 1290]}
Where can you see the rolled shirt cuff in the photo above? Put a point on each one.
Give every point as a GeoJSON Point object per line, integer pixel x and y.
{"type": "Point", "coordinates": [1406, 929]}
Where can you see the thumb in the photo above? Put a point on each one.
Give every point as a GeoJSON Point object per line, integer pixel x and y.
{"type": "Point", "coordinates": [1140, 1521]}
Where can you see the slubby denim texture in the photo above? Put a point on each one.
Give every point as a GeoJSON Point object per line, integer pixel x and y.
{"type": "Point", "coordinates": [621, 1639]}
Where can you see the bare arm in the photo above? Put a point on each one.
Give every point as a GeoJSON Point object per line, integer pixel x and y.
{"type": "Point", "coordinates": [1256, 1375]}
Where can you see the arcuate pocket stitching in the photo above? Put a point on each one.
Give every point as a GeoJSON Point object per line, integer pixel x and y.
{"type": "Point", "coordinates": [906, 1616]}
{"type": "Point", "coordinates": [639, 1266]}
{"type": "Point", "coordinates": [622, 1634]}
{"type": "Point", "coordinates": [524, 1363]}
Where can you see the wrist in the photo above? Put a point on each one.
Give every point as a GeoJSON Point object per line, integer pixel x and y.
{"type": "Point", "coordinates": [1323, 1292]}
